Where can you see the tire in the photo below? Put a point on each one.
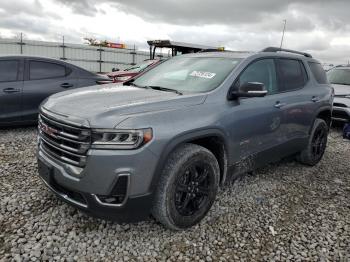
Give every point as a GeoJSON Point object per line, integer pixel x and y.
{"type": "Point", "coordinates": [317, 143]}
{"type": "Point", "coordinates": [187, 187]}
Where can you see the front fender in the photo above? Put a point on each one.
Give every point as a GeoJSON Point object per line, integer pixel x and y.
{"type": "Point", "coordinates": [180, 140]}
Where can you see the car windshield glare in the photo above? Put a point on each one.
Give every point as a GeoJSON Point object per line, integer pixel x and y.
{"type": "Point", "coordinates": [189, 74]}
{"type": "Point", "coordinates": [339, 76]}
{"type": "Point", "coordinates": [137, 68]}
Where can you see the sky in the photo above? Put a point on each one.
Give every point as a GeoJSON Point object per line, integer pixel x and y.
{"type": "Point", "coordinates": [321, 27]}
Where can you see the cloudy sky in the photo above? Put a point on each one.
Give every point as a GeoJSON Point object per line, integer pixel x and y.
{"type": "Point", "coordinates": [321, 27]}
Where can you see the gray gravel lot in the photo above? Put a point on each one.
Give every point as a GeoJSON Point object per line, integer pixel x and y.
{"type": "Point", "coordinates": [285, 212]}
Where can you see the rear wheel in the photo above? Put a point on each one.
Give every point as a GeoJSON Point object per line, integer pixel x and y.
{"type": "Point", "coordinates": [187, 188]}
{"type": "Point", "coordinates": [317, 143]}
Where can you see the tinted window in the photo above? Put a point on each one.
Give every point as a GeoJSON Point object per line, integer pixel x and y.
{"type": "Point", "coordinates": [262, 71]}
{"type": "Point", "coordinates": [42, 70]}
{"type": "Point", "coordinates": [339, 76]}
{"type": "Point", "coordinates": [292, 74]}
{"type": "Point", "coordinates": [8, 70]}
{"type": "Point", "coordinates": [318, 72]}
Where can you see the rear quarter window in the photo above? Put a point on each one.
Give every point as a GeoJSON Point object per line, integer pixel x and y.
{"type": "Point", "coordinates": [318, 72]}
{"type": "Point", "coordinates": [45, 70]}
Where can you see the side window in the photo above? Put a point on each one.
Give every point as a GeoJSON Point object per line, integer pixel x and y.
{"type": "Point", "coordinates": [292, 74]}
{"type": "Point", "coordinates": [44, 70]}
{"type": "Point", "coordinates": [318, 72]}
{"type": "Point", "coordinates": [262, 71]}
{"type": "Point", "coordinates": [8, 70]}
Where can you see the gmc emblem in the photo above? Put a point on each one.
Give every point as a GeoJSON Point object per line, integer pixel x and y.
{"type": "Point", "coordinates": [48, 130]}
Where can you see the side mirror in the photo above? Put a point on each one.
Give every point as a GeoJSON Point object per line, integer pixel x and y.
{"type": "Point", "coordinates": [114, 69]}
{"type": "Point", "coordinates": [249, 89]}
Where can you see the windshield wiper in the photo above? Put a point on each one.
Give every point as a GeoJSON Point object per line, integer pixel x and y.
{"type": "Point", "coordinates": [131, 83]}
{"type": "Point", "coordinates": [345, 84]}
{"type": "Point", "coordinates": [164, 89]}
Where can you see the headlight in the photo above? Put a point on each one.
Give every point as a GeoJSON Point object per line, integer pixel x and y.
{"type": "Point", "coordinates": [122, 78]}
{"type": "Point", "coordinates": [120, 139]}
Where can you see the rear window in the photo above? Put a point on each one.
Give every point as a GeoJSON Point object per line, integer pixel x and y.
{"type": "Point", "coordinates": [8, 70]}
{"type": "Point", "coordinates": [292, 74]}
{"type": "Point", "coordinates": [318, 72]}
{"type": "Point", "coordinates": [44, 70]}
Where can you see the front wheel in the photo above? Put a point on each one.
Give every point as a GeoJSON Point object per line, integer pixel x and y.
{"type": "Point", "coordinates": [317, 143]}
{"type": "Point", "coordinates": [187, 187]}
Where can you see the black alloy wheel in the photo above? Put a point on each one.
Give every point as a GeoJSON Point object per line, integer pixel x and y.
{"type": "Point", "coordinates": [192, 188]}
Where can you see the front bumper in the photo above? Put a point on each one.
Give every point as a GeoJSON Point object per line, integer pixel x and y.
{"type": "Point", "coordinates": [99, 178]}
{"type": "Point", "coordinates": [341, 109]}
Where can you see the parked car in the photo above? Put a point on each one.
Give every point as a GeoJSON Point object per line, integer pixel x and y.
{"type": "Point", "coordinates": [126, 74]}
{"type": "Point", "coordinates": [339, 77]}
{"type": "Point", "coordinates": [26, 81]}
{"type": "Point", "coordinates": [162, 143]}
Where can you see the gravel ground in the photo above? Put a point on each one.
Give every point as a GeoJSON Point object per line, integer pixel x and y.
{"type": "Point", "coordinates": [282, 212]}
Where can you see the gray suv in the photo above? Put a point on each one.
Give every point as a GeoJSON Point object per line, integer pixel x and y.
{"type": "Point", "coordinates": [339, 77]}
{"type": "Point", "coordinates": [161, 144]}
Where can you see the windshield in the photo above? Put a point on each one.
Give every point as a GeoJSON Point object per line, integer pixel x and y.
{"type": "Point", "coordinates": [339, 76]}
{"type": "Point", "coordinates": [139, 67]}
{"type": "Point", "coordinates": [189, 74]}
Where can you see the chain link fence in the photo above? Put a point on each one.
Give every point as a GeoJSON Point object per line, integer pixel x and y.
{"type": "Point", "coordinates": [92, 58]}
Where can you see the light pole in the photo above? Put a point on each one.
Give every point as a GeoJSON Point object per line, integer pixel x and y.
{"type": "Point", "coordinates": [284, 29]}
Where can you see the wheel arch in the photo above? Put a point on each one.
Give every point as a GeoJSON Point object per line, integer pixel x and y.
{"type": "Point", "coordinates": [324, 113]}
{"type": "Point", "coordinates": [209, 138]}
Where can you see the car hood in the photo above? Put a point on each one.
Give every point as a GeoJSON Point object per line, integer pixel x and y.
{"type": "Point", "coordinates": [341, 90]}
{"type": "Point", "coordinates": [106, 106]}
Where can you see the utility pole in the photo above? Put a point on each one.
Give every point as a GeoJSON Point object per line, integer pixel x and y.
{"type": "Point", "coordinates": [284, 29]}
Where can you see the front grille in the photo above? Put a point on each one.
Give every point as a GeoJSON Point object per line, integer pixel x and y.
{"type": "Point", "coordinates": [63, 141]}
{"type": "Point", "coordinates": [340, 115]}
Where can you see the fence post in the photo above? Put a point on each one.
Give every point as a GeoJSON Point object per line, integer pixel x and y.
{"type": "Point", "coordinates": [21, 43]}
{"type": "Point", "coordinates": [133, 56]}
{"type": "Point", "coordinates": [63, 50]}
{"type": "Point", "coordinates": [100, 59]}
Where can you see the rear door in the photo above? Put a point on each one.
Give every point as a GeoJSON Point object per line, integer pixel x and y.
{"type": "Point", "coordinates": [42, 79]}
{"type": "Point", "coordinates": [294, 100]}
{"type": "Point", "coordinates": [11, 83]}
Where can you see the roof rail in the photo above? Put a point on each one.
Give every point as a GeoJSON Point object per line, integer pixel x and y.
{"type": "Point", "coordinates": [277, 49]}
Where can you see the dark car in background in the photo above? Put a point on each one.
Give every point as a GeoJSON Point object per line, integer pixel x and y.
{"type": "Point", "coordinates": [124, 75]}
{"type": "Point", "coordinates": [339, 77]}
{"type": "Point", "coordinates": [26, 81]}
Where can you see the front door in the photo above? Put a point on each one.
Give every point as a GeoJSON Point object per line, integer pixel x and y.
{"type": "Point", "coordinates": [256, 121]}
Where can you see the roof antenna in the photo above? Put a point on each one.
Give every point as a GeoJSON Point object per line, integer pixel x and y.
{"type": "Point", "coordinates": [284, 29]}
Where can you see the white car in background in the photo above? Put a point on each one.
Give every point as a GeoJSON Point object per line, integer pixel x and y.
{"type": "Point", "coordinates": [339, 77]}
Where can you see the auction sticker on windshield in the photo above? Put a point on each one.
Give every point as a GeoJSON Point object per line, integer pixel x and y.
{"type": "Point", "coordinates": [207, 75]}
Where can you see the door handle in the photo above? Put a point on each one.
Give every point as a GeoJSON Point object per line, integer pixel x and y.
{"type": "Point", "coordinates": [279, 104]}
{"type": "Point", "coordinates": [314, 99]}
{"type": "Point", "coordinates": [66, 85]}
{"type": "Point", "coordinates": [11, 90]}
